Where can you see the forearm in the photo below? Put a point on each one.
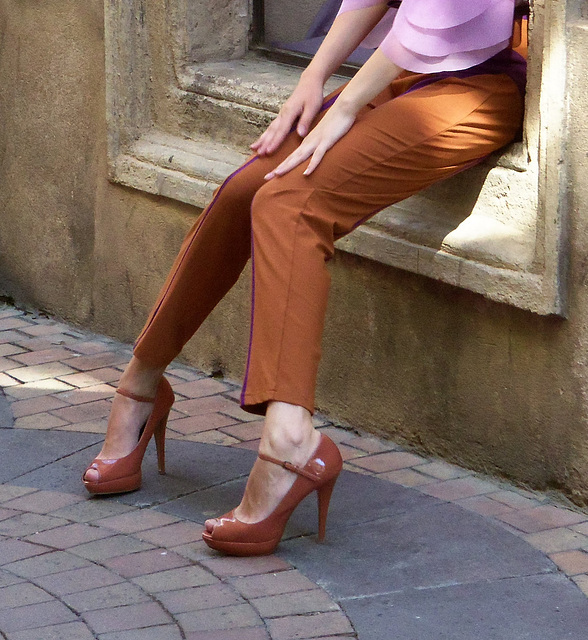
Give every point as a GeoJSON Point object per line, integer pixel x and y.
{"type": "Point", "coordinates": [373, 77]}
{"type": "Point", "coordinates": [345, 35]}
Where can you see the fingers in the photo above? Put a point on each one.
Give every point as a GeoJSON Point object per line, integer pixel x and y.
{"type": "Point", "coordinates": [276, 133]}
{"type": "Point", "coordinates": [306, 118]}
{"type": "Point", "coordinates": [315, 160]}
{"type": "Point", "coordinates": [314, 145]}
{"type": "Point", "coordinates": [327, 133]}
{"type": "Point", "coordinates": [269, 141]}
{"type": "Point", "coordinates": [293, 160]}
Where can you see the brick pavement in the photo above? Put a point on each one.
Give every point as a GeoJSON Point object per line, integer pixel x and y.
{"type": "Point", "coordinates": [109, 571]}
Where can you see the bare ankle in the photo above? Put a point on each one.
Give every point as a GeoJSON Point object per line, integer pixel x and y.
{"type": "Point", "coordinates": [141, 378]}
{"type": "Point", "coordinates": [288, 431]}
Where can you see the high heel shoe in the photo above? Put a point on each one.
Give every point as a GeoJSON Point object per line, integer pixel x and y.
{"type": "Point", "coordinates": [261, 538]}
{"type": "Point", "coordinates": [124, 474]}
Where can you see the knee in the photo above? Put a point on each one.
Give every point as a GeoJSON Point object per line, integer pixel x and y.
{"type": "Point", "coordinates": [276, 202]}
{"type": "Point", "coordinates": [263, 199]}
{"type": "Point", "coordinates": [280, 213]}
{"type": "Point", "coordinates": [239, 188]}
{"type": "Point", "coordinates": [269, 212]}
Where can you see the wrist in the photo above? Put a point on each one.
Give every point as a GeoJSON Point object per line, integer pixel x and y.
{"type": "Point", "coordinates": [314, 75]}
{"type": "Point", "coordinates": [347, 105]}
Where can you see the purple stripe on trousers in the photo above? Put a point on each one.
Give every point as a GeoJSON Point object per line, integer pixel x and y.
{"type": "Point", "coordinates": [242, 402]}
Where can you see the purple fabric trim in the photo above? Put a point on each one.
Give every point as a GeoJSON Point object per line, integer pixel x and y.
{"type": "Point", "coordinates": [329, 103]}
{"type": "Point", "coordinates": [361, 221]}
{"type": "Point", "coordinates": [244, 389]}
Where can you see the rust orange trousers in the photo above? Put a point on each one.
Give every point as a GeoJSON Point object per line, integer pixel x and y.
{"type": "Point", "coordinates": [400, 144]}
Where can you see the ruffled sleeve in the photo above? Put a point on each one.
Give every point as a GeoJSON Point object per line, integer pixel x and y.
{"type": "Point", "coordinates": [447, 35]}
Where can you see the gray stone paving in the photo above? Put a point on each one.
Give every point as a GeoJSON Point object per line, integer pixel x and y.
{"type": "Point", "coordinates": [415, 549]}
{"type": "Point", "coordinates": [394, 558]}
{"type": "Point", "coordinates": [5, 412]}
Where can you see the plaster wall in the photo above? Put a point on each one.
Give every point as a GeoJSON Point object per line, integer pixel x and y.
{"type": "Point", "coordinates": [490, 386]}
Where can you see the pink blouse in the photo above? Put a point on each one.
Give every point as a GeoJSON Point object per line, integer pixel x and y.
{"type": "Point", "coordinates": [426, 36]}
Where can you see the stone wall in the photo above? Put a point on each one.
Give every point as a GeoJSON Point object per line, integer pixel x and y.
{"type": "Point", "coordinates": [482, 383]}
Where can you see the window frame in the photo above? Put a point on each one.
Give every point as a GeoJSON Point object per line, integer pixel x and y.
{"type": "Point", "coordinates": [277, 54]}
{"type": "Point", "coordinates": [179, 111]}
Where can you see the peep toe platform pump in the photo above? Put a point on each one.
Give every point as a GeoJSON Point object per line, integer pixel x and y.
{"type": "Point", "coordinates": [260, 538]}
{"type": "Point", "coordinates": [124, 474]}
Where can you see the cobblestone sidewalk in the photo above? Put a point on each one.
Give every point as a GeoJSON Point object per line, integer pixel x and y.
{"type": "Point", "coordinates": [79, 568]}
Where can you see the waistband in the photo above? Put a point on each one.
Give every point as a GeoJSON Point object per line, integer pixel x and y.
{"type": "Point", "coordinates": [507, 62]}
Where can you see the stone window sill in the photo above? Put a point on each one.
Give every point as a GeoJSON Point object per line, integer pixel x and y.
{"type": "Point", "coordinates": [479, 230]}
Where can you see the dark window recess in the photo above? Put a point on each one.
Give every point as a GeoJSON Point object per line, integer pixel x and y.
{"type": "Point", "coordinates": [292, 30]}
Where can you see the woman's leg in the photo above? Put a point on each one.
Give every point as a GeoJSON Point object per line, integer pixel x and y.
{"type": "Point", "coordinates": [393, 151]}
{"type": "Point", "coordinates": [210, 261]}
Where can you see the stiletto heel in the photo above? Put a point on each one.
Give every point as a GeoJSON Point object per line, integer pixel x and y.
{"type": "Point", "coordinates": [121, 475]}
{"type": "Point", "coordinates": [160, 443]}
{"type": "Point", "coordinates": [261, 538]}
{"type": "Point", "coordinates": [324, 494]}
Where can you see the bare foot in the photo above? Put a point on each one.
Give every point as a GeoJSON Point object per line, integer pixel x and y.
{"type": "Point", "coordinates": [127, 416]}
{"type": "Point", "coordinates": [288, 435]}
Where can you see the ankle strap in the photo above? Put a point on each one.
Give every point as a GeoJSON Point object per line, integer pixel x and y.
{"type": "Point", "coordinates": [134, 396]}
{"type": "Point", "coordinates": [289, 466]}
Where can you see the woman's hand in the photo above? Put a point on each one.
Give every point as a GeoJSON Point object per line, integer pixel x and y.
{"type": "Point", "coordinates": [334, 125]}
{"type": "Point", "coordinates": [376, 74]}
{"type": "Point", "coordinates": [348, 30]}
{"type": "Point", "coordinates": [303, 105]}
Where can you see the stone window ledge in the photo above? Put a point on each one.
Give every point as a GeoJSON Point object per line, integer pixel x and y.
{"type": "Point", "coordinates": [480, 230]}
{"type": "Point", "coordinates": [190, 171]}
